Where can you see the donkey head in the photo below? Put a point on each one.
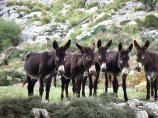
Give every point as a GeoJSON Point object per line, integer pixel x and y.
{"type": "Point", "coordinates": [102, 54]}
{"type": "Point", "coordinates": [123, 59]}
{"type": "Point", "coordinates": [141, 55]}
{"type": "Point", "coordinates": [60, 55]}
{"type": "Point", "coordinates": [88, 58]}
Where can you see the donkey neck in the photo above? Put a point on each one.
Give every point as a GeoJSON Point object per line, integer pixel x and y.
{"type": "Point", "coordinates": [51, 61]}
{"type": "Point", "coordinates": [150, 61]}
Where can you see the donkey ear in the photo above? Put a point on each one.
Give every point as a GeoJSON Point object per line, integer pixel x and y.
{"type": "Point", "coordinates": [108, 44]}
{"type": "Point", "coordinates": [120, 47]}
{"type": "Point", "coordinates": [136, 45]}
{"type": "Point", "coordinates": [129, 48]}
{"type": "Point", "coordinates": [82, 48]}
{"type": "Point", "coordinates": [146, 44]}
{"type": "Point", "coordinates": [99, 43]}
{"type": "Point", "coordinates": [67, 45]}
{"type": "Point", "coordinates": [55, 45]}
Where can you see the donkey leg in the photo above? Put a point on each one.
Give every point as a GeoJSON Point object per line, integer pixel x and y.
{"type": "Point", "coordinates": [33, 82]}
{"type": "Point", "coordinates": [148, 87]}
{"type": "Point", "coordinates": [62, 87]}
{"type": "Point", "coordinates": [73, 84]}
{"type": "Point", "coordinates": [106, 82]}
{"type": "Point", "coordinates": [83, 85]}
{"type": "Point", "coordinates": [48, 85]}
{"type": "Point", "coordinates": [115, 84]}
{"type": "Point", "coordinates": [67, 85]}
{"type": "Point", "coordinates": [90, 85]}
{"type": "Point", "coordinates": [155, 88]}
{"type": "Point", "coordinates": [79, 86]}
{"type": "Point", "coordinates": [124, 88]}
{"type": "Point", "coordinates": [29, 86]}
{"type": "Point", "coordinates": [152, 86]}
{"type": "Point", "coordinates": [95, 84]}
{"type": "Point", "coordinates": [41, 83]}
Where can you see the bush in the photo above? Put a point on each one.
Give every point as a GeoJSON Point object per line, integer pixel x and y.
{"type": "Point", "coordinates": [138, 9]}
{"type": "Point", "coordinates": [141, 87]}
{"type": "Point", "coordinates": [4, 61]}
{"type": "Point", "coordinates": [20, 3]}
{"type": "Point", "coordinates": [46, 19]}
{"type": "Point", "coordinates": [94, 4]}
{"type": "Point", "coordinates": [130, 29]}
{"type": "Point", "coordinates": [77, 32]}
{"type": "Point", "coordinates": [9, 33]}
{"type": "Point", "coordinates": [149, 21]}
{"type": "Point", "coordinates": [18, 10]}
{"type": "Point", "coordinates": [33, 18]}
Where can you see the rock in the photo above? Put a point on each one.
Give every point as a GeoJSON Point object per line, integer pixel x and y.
{"type": "Point", "coordinates": [11, 49]}
{"type": "Point", "coordinates": [38, 113]}
{"type": "Point", "coordinates": [91, 10]}
{"type": "Point", "coordinates": [142, 114]}
{"type": "Point", "coordinates": [122, 22]}
{"type": "Point", "coordinates": [132, 23]}
{"type": "Point", "coordinates": [121, 105]}
{"type": "Point", "coordinates": [156, 6]}
{"type": "Point", "coordinates": [151, 109]}
{"type": "Point", "coordinates": [121, 12]}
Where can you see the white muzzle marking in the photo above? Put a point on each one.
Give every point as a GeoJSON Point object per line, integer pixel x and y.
{"type": "Point", "coordinates": [125, 71]}
{"type": "Point", "coordinates": [103, 66]}
{"type": "Point", "coordinates": [61, 69]}
{"type": "Point", "coordinates": [139, 65]}
{"type": "Point", "coordinates": [92, 69]}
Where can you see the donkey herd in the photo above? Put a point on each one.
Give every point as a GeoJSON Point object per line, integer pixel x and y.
{"type": "Point", "coordinates": [85, 63]}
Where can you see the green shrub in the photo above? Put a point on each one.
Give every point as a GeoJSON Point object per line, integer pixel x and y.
{"type": "Point", "coordinates": [141, 87]}
{"type": "Point", "coordinates": [149, 21]}
{"type": "Point", "coordinates": [18, 10]}
{"type": "Point", "coordinates": [77, 32]}
{"type": "Point", "coordinates": [94, 4]}
{"type": "Point", "coordinates": [100, 28]}
{"type": "Point", "coordinates": [58, 84]}
{"type": "Point", "coordinates": [130, 29]}
{"type": "Point", "coordinates": [60, 19]}
{"type": "Point", "coordinates": [4, 61]}
{"type": "Point", "coordinates": [138, 9]}
{"type": "Point", "coordinates": [20, 3]}
{"type": "Point", "coordinates": [10, 3]}
{"type": "Point", "coordinates": [33, 18]}
{"type": "Point", "coordinates": [9, 33]}
{"type": "Point", "coordinates": [46, 19]}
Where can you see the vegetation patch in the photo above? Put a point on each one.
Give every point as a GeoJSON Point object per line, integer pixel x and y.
{"type": "Point", "coordinates": [76, 32]}
{"type": "Point", "coordinates": [148, 21]}
{"type": "Point", "coordinates": [94, 4]}
{"type": "Point", "coordinates": [141, 87]}
{"type": "Point", "coordinates": [18, 10]}
{"type": "Point", "coordinates": [33, 18]}
{"type": "Point", "coordinates": [138, 9]}
{"type": "Point", "coordinates": [9, 33]}
{"type": "Point", "coordinates": [20, 3]}
{"type": "Point", "coordinates": [130, 29]}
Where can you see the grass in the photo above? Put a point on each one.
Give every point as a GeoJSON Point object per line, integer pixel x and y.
{"type": "Point", "coordinates": [18, 10]}
{"type": "Point", "coordinates": [33, 18]}
{"type": "Point", "coordinates": [94, 4]}
{"type": "Point", "coordinates": [130, 29]}
{"type": "Point", "coordinates": [55, 93]}
{"type": "Point", "coordinates": [76, 32]}
{"type": "Point", "coordinates": [138, 9]}
{"type": "Point", "coordinates": [20, 3]}
{"type": "Point", "coordinates": [34, 47]}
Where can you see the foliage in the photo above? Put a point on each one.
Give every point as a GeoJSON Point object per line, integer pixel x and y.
{"type": "Point", "coordinates": [46, 19]}
{"type": "Point", "coordinates": [20, 3]}
{"type": "Point", "coordinates": [19, 107]}
{"type": "Point", "coordinates": [76, 32]}
{"type": "Point", "coordinates": [149, 21]}
{"type": "Point", "coordinates": [94, 4]}
{"type": "Point", "coordinates": [9, 32]}
{"type": "Point", "coordinates": [138, 9]}
{"type": "Point", "coordinates": [18, 10]}
{"type": "Point", "coordinates": [130, 29]}
{"type": "Point", "coordinates": [141, 87]}
{"type": "Point", "coordinates": [58, 84]}
{"type": "Point", "coordinates": [34, 47]}
{"type": "Point", "coordinates": [4, 61]}
{"type": "Point", "coordinates": [33, 18]}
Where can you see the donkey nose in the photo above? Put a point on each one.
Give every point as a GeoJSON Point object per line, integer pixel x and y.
{"type": "Point", "coordinates": [138, 69]}
{"type": "Point", "coordinates": [125, 71]}
{"type": "Point", "coordinates": [61, 70]}
{"type": "Point", "coordinates": [103, 67]}
{"type": "Point", "coordinates": [92, 69]}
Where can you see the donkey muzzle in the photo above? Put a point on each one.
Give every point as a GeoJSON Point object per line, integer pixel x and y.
{"type": "Point", "coordinates": [139, 67]}
{"type": "Point", "coordinates": [61, 70]}
{"type": "Point", "coordinates": [92, 69]}
{"type": "Point", "coordinates": [103, 67]}
{"type": "Point", "coordinates": [125, 71]}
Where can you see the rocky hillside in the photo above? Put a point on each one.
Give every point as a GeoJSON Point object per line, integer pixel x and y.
{"type": "Point", "coordinates": [83, 21]}
{"type": "Point", "coordinates": [61, 19]}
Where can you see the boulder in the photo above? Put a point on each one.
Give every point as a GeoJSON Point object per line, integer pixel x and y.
{"type": "Point", "coordinates": [142, 114]}
{"type": "Point", "coordinates": [151, 109]}
{"type": "Point", "coordinates": [156, 6]}
{"type": "Point", "coordinates": [40, 113]}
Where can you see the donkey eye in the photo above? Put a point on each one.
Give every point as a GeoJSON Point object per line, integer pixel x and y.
{"type": "Point", "coordinates": [99, 56]}
{"type": "Point", "coordinates": [57, 58]}
{"type": "Point", "coordinates": [88, 58]}
{"type": "Point", "coordinates": [64, 58]}
{"type": "Point", "coordinates": [121, 61]}
{"type": "Point", "coordinates": [143, 56]}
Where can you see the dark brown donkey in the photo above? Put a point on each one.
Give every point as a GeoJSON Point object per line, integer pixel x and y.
{"type": "Point", "coordinates": [117, 65]}
{"type": "Point", "coordinates": [100, 65]}
{"type": "Point", "coordinates": [75, 65]}
{"type": "Point", "coordinates": [40, 66]}
{"type": "Point", "coordinates": [150, 62]}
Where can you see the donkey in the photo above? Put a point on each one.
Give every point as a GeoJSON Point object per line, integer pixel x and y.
{"type": "Point", "coordinates": [150, 62]}
{"type": "Point", "coordinates": [41, 66]}
{"type": "Point", "coordinates": [117, 65]}
{"type": "Point", "coordinates": [100, 65]}
{"type": "Point", "coordinates": [75, 66]}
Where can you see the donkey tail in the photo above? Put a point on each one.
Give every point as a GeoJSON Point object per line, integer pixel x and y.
{"type": "Point", "coordinates": [25, 81]}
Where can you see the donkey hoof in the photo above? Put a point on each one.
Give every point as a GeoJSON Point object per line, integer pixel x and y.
{"type": "Point", "coordinates": [31, 94]}
{"type": "Point", "coordinates": [83, 96]}
{"type": "Point", "coordinates": [156, 100]}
